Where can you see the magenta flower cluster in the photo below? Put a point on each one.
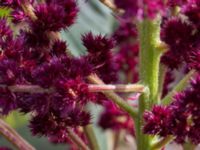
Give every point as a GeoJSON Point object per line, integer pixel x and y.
{"type": "Point", "coordinates": [35, 56]}
{"type": "Point", "coordinates": [180, 118]}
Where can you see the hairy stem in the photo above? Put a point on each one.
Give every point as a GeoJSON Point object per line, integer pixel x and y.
{"type": "Point", "coordinates": [114, 97]}
{"type": "Point", "coordinates": [11, 135]}
{"type": "Point", "coordinates": [178, 88]}
{"type": "Point", "coordinates": [77, 140]}
{"type": "Point", "coordinates": [150, 53]}
{"type": "Point", "coordinates": [149, 59]}
{"type": "Point", "coordinates": [89, 131]}
{"type": "Point", "coordinates": [142, 139]}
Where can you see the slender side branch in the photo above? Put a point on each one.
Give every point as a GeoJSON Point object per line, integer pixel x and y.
{"type": "Point", "coordinates": [28, 89]}
{"type": "Point", "coordinates": [111, 6]}
{"type": "Point", "coordinates": [91, 137]}
{"type": "Point", "coordinates": [114, 97]}
{"type": "Point", "coordinates": [117, 88]}
{"type": "Point", "coordinates": [178, 88]}
{"type": "Point", "coordinates": [92, 88]}
{"type": "Point", "coordinates": [29, 10]}
{"type": "Point", "coordinates": [11, 135]}
{"type": "Point", "coordinates": [160, 144]}
{"type": "Point", "coordinates": [77, 140]}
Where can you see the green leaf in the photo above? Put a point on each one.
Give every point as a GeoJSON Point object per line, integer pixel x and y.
{"type": "Point", "coordinates": [16, 119]}
{"type": "Point", "coordinates": [4, 12]}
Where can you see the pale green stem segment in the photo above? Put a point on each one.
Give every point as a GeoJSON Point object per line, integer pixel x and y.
{"type": "Point", "coordinates": [189, 146]}
{"type": "Point", "coordinates": [161, 143]}
{"type": "Point", "coordinates": [178, 88]}
{"type": "Point", "coordinates": [143, 141]}
{"type": "Point", "coordinates": [89, 131]}
{"type": "Point", "coordinates": [114, 97]}
{"type": "Point", "coordinates": [150, 53]}
{"type": "Point", "coordinates": [77, 140]}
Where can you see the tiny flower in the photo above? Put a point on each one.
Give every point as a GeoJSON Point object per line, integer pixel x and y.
{"type": "Point", "coordinates": [125, 32]}
{"type": "Point", "coordinates": [115, 119]}
{"type": "Point", "coordinates": [130, 6]}
{"type": "Point", "coordinates": [180, 118]}
{"type": "Point", "coordinates": [179, 42]}
{"type": "Point", "coordinates": [59, 48]}
{"type": "Point", "coordinates": [7, 101]}
{"type": "Point", "coordinates": [100, 56]}
{"type": "Point", "coordinates": [158, 121]}
{"type": "Point", "coordinates": [18, 16]}
{"type": "Point", "coordinates": [191, 10]}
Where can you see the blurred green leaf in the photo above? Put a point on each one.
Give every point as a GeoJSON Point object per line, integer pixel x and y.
{"type": "Point", "coordinates": [4, 12]}
{"type": "Point", "coordinates": [16, 119]}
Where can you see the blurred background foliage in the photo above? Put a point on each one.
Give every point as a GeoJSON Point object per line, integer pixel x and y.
{"type": "Point", "coordinates": [95, 18]}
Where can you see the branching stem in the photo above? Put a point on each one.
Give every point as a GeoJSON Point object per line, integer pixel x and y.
{"type": "Point", "coordinates": [11, 135]}
{"type": "Point", "coordinates": [114, 97]}
{"type": "Point", "coordinates": [77, 140]}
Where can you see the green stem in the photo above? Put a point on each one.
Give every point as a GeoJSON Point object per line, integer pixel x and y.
{"type": "Point", "coordinates": [160, 144]}
{"type": "Point", "coordinates": [77, 140]}
{"type": "Point", "coordinates": [189, 146]}
{"type": "Point", "coordinates": [114, 97]}
{"type": "Point", "coordinates": [143, 141]}
{"type": "Point", "coordinates": [178, 88]}
{"type": "Point", "coordinates": [150, 53]}
{"type": "Point", "coordinates": [89, 131]}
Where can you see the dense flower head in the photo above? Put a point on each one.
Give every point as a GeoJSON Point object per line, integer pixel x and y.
{"type": "Point", "coordinates": [191, 10]}
{"type": "Point", "coordinates": [34, 56]}
{"type": "Point", "coordinates": [54, 15]}
{"type": "Point", "coordinates": [181, 117]}
{"type": "Point", "coordinates": [181, 43]}
{"type": "Point", "coordinates": [12, 3]}
{"type": "Point", "coordinates": [127, 50]}
{"type": "Point", "coordinates": [127, 59]}
{"type": "Point", "coordinates": [100, 56]}
{"type": "Point", "coordinates": [5, 32]}
{"type": "Point", "coordinates": [147, 8]}
{"type": "Point", "coordinates": [174, 3]}
{"type": "Point", "coordinates": [157, 121]}
{"type": "Point", "coordinates": [184, 43]}
{"type": "Point", "coordinates": [125, 32]}
{"type": "Point", "coordinates": [114, 118]}
{"type": "Point", "coordinates": [7, 101]}
{"type": "Point", "coordinates": [130, 6]}
{"type": "Point", "coordinates": [18, 16]}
